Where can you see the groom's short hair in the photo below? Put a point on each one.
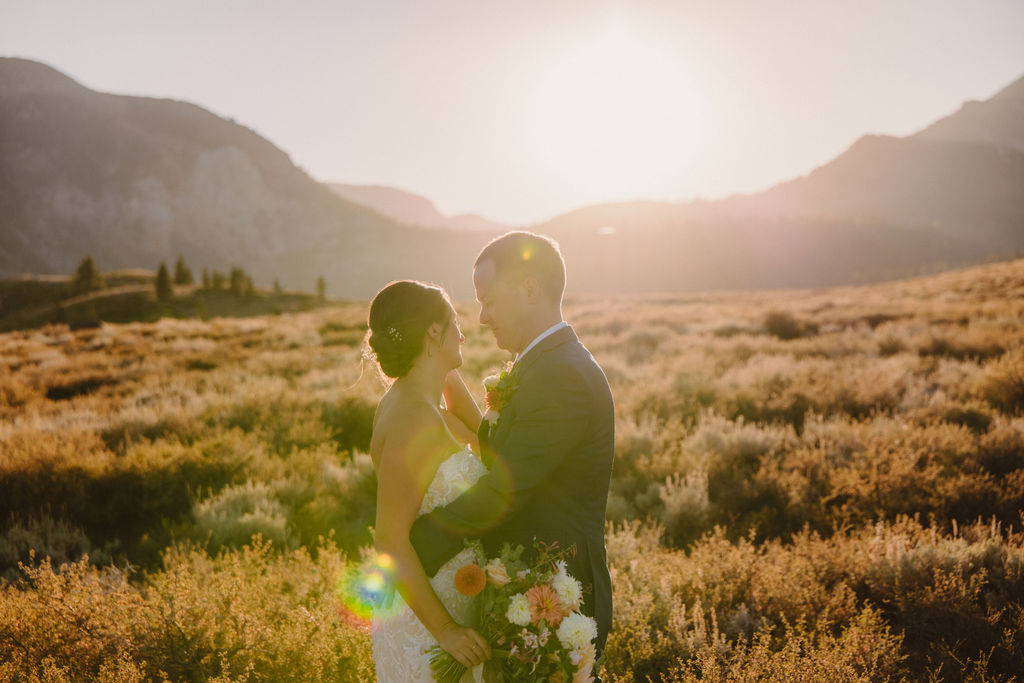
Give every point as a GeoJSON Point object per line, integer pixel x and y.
{"type": "Point", "coordinates": [521, 254]}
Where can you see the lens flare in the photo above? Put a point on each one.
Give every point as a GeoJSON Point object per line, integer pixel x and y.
{"type": "Point", "coordinates": [367, 591]}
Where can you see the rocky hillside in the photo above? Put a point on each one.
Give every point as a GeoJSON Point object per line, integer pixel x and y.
{"type": "Point", "coordinates": [135, 180]}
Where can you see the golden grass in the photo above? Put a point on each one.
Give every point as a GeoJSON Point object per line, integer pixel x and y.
{"type": "Point", "coordinates": [809, 485]}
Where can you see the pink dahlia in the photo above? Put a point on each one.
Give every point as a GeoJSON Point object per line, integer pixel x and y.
{"type": "Point", "coordinates": [544, 604]}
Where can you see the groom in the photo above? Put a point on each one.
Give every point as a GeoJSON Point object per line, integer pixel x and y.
{"type": "Point", "coordinates": [550, 453]}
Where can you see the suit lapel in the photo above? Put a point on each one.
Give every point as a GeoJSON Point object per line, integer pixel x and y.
{"type": "Point", "coordinates": [563, 336]}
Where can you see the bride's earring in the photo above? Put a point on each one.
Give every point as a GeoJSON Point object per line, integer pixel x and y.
{"type": "Point", "coordinates": [430, 350]}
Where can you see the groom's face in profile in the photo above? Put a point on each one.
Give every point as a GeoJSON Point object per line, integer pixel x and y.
{"type": "Point", "coordinates": [503, 307]}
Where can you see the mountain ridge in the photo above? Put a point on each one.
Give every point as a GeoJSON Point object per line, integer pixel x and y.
{"type": "Point", "coordinates": [134, 181]}
{"type": "Point", "coordinates": [410, 208]}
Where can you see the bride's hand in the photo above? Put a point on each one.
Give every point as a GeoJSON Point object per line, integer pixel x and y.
{"type": "Point", "coordinates": [467, 646]}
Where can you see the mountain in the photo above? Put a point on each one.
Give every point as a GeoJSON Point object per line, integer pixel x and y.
{"type": "Point", "coordinates": [996, 122]}
{"type": "Point", "coordinates": [950, 195]}
{"type": "Point", "coordinates": [134, 181]}
{"type": "Point", "coordinates": [412, 209]}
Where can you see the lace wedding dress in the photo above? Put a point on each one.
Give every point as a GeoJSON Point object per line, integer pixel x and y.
{"type": "Point", "coordinates": [400, 641]}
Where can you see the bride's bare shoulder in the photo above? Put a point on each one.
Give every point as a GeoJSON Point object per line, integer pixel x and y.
{"type": "Point", "coordinates": [406, 429]}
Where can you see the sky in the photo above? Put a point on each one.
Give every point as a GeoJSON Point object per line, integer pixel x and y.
{"type": "Point", "coordinates": [522, 110]}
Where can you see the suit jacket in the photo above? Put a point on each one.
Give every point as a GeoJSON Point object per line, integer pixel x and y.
{"type": "Point", "coordinates": [550, 459]}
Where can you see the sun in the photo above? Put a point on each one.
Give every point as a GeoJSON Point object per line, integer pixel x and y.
{"type": "Point", "coordinates": [618, 115]}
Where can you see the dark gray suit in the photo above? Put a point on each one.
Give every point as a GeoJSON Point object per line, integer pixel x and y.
{"type": "Point", "coordinates": [550, 460]}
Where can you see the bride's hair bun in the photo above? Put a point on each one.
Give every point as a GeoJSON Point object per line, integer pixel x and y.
{"type": "Point", "coordinates": [400, 315]}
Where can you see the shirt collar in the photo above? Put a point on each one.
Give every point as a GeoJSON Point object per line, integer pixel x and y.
{"type": "Point", "coordinates": [546, 333]}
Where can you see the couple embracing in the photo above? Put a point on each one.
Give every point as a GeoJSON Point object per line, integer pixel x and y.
{"type": "Point", "coordinates": [538, 472]}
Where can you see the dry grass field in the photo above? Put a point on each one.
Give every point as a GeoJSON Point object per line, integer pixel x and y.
{"type": "Point", "coordinates": [808, 486]}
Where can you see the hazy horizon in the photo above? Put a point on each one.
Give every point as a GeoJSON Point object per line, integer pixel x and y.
{"type": "Point", "coordinates": [522, 115]}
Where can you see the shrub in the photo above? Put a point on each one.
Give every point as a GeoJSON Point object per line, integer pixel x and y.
{"type": "Point", "coordinates": [24, 540]}
{"type": "Point", "coordinates": [231, 517]}
{"type": "Point", "coordinates": [341, 501]}
{"type": "Point", "coordinates": [14, 394]}
{"type": "Point", "coordinates": [889, 590]}
{"type": "Point", "coordinates": [250, 613]}
{"type": "Point", "coordinates": [1002, 382]}
{"type": "Point", "coordinates": [70, 623]}
{"type": "Point", "coordinates": [685, 513]}
{"type": "Point", "coordinates": [784, 326]}
{"type": "Point", "coordinates": [1001, 450]}
{"type": "Point", "coordinates": [350, 422]}
{"type": "Point", "coordinates": [864, 652]}
{"type": "Point", "coordinates": [69, 385]}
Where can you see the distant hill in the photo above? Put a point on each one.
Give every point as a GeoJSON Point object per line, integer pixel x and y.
{"type": "Point", "coordinates": [888, 207]}
{"type": "Point", "coordinates": [411, 209]}
{"type": "Point", "coordinates": [134, 180]}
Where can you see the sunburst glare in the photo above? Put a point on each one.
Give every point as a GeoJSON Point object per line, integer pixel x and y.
{"type": "Point", "coordinates": [619, 114]}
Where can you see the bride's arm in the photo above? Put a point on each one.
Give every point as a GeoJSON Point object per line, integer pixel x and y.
{"type": "Point", "coordinates": [402, 481]}
{"type": "Point", "coordinates": [461, 406]}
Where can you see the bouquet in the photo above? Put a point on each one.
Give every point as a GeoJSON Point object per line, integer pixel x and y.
{"type": "Point", "coordinates": [530, 616]}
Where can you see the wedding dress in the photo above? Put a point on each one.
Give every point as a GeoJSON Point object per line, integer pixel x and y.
{"type": "Point", "coordinates": [400, 641]}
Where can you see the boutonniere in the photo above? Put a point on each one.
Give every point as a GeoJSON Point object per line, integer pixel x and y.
{"type": "Point", "coordinates": [499, 391]}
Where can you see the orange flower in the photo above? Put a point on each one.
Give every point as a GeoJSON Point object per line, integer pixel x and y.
{"type": "Point", "coordinates": [470, 579]}
{"type": "Point", "coordinates": [544, 604]}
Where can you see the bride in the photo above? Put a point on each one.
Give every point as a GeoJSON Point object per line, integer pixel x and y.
{"type": "Point", "coordinates": [421, 453]}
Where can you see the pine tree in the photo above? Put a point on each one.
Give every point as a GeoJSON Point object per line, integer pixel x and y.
{"type": "Point", "coordinates": [164, 290]}
{"type": "Point", "coordinates": [86, 278]}
{"type": "Point", "coordinates": [206, 279]}
{"type": "Point", "coordinates": [237, 277]}
{"type": "Point", "coordinates": [182, 273]}
{"type": "Point", "coordinates": [321, 289]}
{"type": "Point", "coordinates": [277, 287]}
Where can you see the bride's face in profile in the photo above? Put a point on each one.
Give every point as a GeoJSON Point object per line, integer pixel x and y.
{"type": "Point", "coordinates": [451, 341]}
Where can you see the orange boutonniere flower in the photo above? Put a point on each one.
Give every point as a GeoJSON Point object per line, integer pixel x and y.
{"type": "Point", "coordinates": [470, 579]}
{"type": "Point", "coordinates": [499, 391]}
